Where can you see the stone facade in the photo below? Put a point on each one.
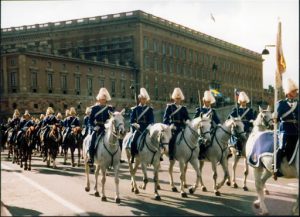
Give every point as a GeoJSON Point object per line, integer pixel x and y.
{"type": "Point", "coordinates": [65, 63]}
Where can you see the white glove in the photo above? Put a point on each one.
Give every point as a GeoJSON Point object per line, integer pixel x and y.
{"type": "Point", "coordinates": [173, 127]}
{"type": "Point", "coordinates": [136, 125]}
{"type": "Point", "coordinates": [96, 128]}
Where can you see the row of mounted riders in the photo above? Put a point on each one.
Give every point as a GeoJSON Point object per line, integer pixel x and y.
{"type": "Point", "coordinates": [48, 140]}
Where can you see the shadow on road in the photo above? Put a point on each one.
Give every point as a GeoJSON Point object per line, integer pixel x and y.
{"type": "Point", "coordinates": [18, 211]}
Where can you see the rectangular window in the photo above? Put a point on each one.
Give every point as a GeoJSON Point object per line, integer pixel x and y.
{"type": "Point", "coordinates": [191, 55]}
{"type": "Point", "coordinates": [90, 86]}
{"type": "Point", "coordinates": [77, 83]}
{"type": "Point", "coordinates": [145, 43]}
{"type": "Point", "coordinates": [155, 65]}
{"type": "Point", "coordinates": [101, 83]}
{"type": "Point", "coordinates": [113, 88]}
{"type": "Point", "coordinates": [155, 46]}
{"type": "Point", "coordinates": [13, 62]}
{"type": "Point", "coordinates": [163, 48]}
{"type": "Point", "coordinates": [171, 50]}
{"type": "Point", "coordinates": [171, 68]}
{"type": "Point", "coordinates": [13, 79]}
{"type": "Point", "coordinates": [183, 53]}
{"type": "Point", "coordinates": [63, 82]}
{"type": "Point", "coordinates": [177, 51]}
{"type": "Point", "coordinates": [123, 88]}
{"type": "Point", "coordinates": [164, 66]}
{"type": "Point", "coordinates": [33, 80]}
{"type": "Point", "coordinates": [50, 81]}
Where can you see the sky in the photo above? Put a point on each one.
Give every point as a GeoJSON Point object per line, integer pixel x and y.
{"type": "Point", "coordinates": [251, 24]}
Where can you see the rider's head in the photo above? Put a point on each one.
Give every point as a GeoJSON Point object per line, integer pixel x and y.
{"type": "Point", "coordinates": [243, 99]}
{"type": "Point", "coordinates": [177, 95]}
{"type": "Point", "coordinates": [49, 111]}
{"type": "Point", "coordinates": [143, 96]}
{"type": "Point", "coordinates": [208, 98]}
{"type": "Point", "coordinates": [290, 88]}
{"type": "Point", "coordinates": [26, 115]}
{"type": "Point", "coordinates": [103, 96]}
{"type": "Point", "coordinates": [72, 111]}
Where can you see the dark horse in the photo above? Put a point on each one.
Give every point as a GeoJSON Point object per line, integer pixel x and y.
{"type": "Point", "coordinates": [73, 140]}
{"type": "Point", "coordinates": [50, 144]}
{"type": "Point", "coordinates": [26, 145]}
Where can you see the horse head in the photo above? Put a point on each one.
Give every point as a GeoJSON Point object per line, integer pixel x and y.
{"type": "Point", "coordinates": [202, 124]}
{"type": "Point", "coordinates": [161, 134]}
{"type": "Point", "coordinates": [264, 118]}
{"type": "Point", "coordinates": [237, 127]}
{"type": "Point", "coordinates": [76, 130]}
{"type": "Point", "coordinates": [117, 124]}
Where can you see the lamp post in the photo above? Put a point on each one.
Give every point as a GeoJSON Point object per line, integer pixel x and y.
{"type": "Point", "coordinates": [266, 51]}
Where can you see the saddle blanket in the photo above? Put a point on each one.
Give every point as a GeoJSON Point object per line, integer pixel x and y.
{"type": "Point", "coordinates": [263, 146]}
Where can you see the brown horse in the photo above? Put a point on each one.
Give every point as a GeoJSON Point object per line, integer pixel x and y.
{"type": "Point", "coordinates": [73, 140]}
{"type": "Point", "coordinates": [51, 142]}
{"type": "Point", "coordinates": [26, 147]}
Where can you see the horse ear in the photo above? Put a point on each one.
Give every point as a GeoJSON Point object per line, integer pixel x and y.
{"type": "Point", "coordinates": [201, 115]}
{"type": "Point", "coordinates": [268, 108]}
{"type": "Point", "coordinates": [110, 113]}
{"type": "Point", "coordinates": [122, 112]}
{"type": "Point", "coordinates": [260, 109]}
{"type": "Point", "coordinates": [231, 117]}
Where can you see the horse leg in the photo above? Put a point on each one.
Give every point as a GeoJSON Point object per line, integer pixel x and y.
{"type": "Point", "coordinates": [79, 150]}
{"type": "Point", "coordinates": [215, 176]}
{"type": "Point", "coordinates": [96, 180]}
{"type": "Point", "coordinates": [54, 154]}
{"type": "Point", "coordinates": [234, 164]}
{"type": "Point", "coordinates": [145, 178]}
{"type": "Point", "coordinates": [259, 184]}
{"type": "Point", "coordinates": [155, 179]}
{"type": "Point", "coordinates": [132, 174]}
{"type": "Point", "coordinates": [195, 165]}
{"type": "Point", "coordinates": [201, 164]}
{"type": "Point", "coordinates": [224, 164]}
{"type": "Point", "coordinates": [117, 197]}
{"type": "Point", "coordinates": [87, 175]}
{"type": "Point", "coordinates": [172, 162]}
{"type": "Point", "coordinates": [182, 166]}
{"type": "Point", "coordinates": [29, 159]}
{"type": "Point", "coordinates": [72, 156]}
{"type": "Point", "coordinates": [246, 172]}
{"type": "Point", "coordinates": [136, 165]}
{"type": "Point", "coordinates": [184, 177]}
{"type": "Point", "coordinates": [65, 155]}
{"type": "Point", "coordinates": [48, 157]}
{"type": "Point", "coordinates": [103, 180]}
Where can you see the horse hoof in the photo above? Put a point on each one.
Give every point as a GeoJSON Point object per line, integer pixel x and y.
{"type": "Point", "coordinates": [183, 194]}
{"type": "Point", "coordinates": [73, 165]}
{"type": "Point", "coordinates": [204, 189]}
{"type": "Point", "coordinates": [235, 185]}
{"type": "Point", "coordinates": [158, 187]}
{"type": "Point", "coordinates": [174, 189]}
{"type": "Point", "coordinates": [157, 197]}
{"type": "Point", "coordinates": [228, 183]}
{"type": "Point", "coordinates": [97, 194]}
{"type": "Point", "coordinates": [64, 163]}
{"type": "Point", "coordinates": [191, 190]}
{"type": "Point", "coordinates": [118, 200]}
{"type": "Point", "coordinates": [21, 166]}
{"type": "Point", "coordinates": [266, 192]}
{"type": "Point", "coordinates": [103, 198]}
{"type": "Point", "coordinates": [185, 186]}
{"type": "Point", "coordinates": [87, 189]}
{"type": "Point", "coordinates": [132, 189]}
{"type": "Point", "coordinates": [217, 193]}
{"type": "Point", "coordinates": [29, 168]}
{"type": "Point", "coordinates": [256, 205]}
{"type": "Point", "coordinates": [245, 188]}
{"type": "Point", "coordinates": [136, 191]}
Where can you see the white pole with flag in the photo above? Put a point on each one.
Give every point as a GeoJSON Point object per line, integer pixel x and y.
{"type": "Point", "coordinates": [281, 66]}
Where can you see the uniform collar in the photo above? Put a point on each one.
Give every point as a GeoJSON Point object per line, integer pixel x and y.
{"type": "Point", "coordinates": [206, 107]}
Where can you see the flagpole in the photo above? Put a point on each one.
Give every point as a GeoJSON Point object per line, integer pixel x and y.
{"type": "Point", "coordinates": [275, 124]}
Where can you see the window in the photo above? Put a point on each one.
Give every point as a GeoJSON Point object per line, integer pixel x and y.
{"type": "Point", "coordinates": [177, 51]}
{"type": "Point", "coordinates": [13, 62]}
{"type": "Point", "coordinates": [191, 55]}
{"type": "Point", "coordinates": [164, 48]}
{"type": "Point", "coordinates": [90, 86]}
{"type": "Point", "coordinates": [49, 64]}
{"type": "Point", "coordinates": [33, 62]}
{"type": "Point", "coordinates": [34, 79]}
{"type": "Point", "coordinates": [155, 65]}
{"type": "Point", "coordinates": [171, 68]}
{"type": "Point", "coordinates": [63, 82]}
{"type": "Point", "coordinates": [145, 43]}
{"type": "Point", "coordinates": [164, 66]}
{"type": "Point", "coordinates": [101, 82]}
{"type": "Point", "coordinates": [13, 79]}
{"type": "Point", "coordinates": [50, 81]}
{"type": "Point", "coordinates": [183, 53]}
{"type": "Point", "coordinates": [123, 88]}
{"type": "Point", "coordinates": [64, 66]}
{"type": "Point", "coordinates": [77, 85]}
{"type": "Point", "coordinates": [113, 88]}
{"type": "Point", "coordinates": [171, 50]}
{"type": "Point", "coordinates": [155, 46]}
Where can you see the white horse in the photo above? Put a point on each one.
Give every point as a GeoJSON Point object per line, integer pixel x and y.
{"type": "Point", "coordinates": [108, 153]}
{"type": "Point", "coordinates": [187, 150]}
{"type": "Point", "coordinates": [217, 151]}
{"type": "Point", "coordinates": [264, 169]}
{"type": "Point", "coordinates": [263, 122]}
{"type": "Point", "coordinates": [156, 135]}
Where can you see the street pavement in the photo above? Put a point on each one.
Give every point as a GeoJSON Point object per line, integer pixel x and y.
{"type": "Point", "coordinates": [57, 192]}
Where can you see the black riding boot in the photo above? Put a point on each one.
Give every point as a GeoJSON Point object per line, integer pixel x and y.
{"type": "Point", "coordinates": [201, 152]}
{"type": "Point", "coordinates": [279, 156]}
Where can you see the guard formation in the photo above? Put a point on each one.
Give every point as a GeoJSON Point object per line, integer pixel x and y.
{"type": "Point", "coordinates": [51, 130]}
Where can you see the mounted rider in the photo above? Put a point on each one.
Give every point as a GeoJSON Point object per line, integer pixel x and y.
{"type": "Point", "coordinates": [25, 123]}
{"type": "Point", "coordinates": [60, 122]}
{"type": "Point", "coordinates": [208, 100]}
{"type": "Point", "coordinates": [99, 115]}
{"type": "Point", "coordinates": [287, 114]}
{"type": "Point", "coordinates": [141, 117]}
{"type": "Point", "coordinates": [176, 114]}
{"type": "Point", "coordinates": [49, 120]}
{"type": "Point", "coordinates": [14, 124]}
{"type": "Point", "coordinates": [69, 123]}
{"type": "Point", "coordinates": [85, 126]}
{"type": "Point", "coordinates": [247, 116]}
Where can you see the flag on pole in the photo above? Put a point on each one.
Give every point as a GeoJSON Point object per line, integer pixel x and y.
{"type": "Point", "coordinates": [212, 17]}
{"type": "Point", "coordinates": [280, 61]}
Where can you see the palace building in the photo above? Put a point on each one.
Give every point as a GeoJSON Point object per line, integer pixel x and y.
{"type": "Point", "coordinates": [64, 64]}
